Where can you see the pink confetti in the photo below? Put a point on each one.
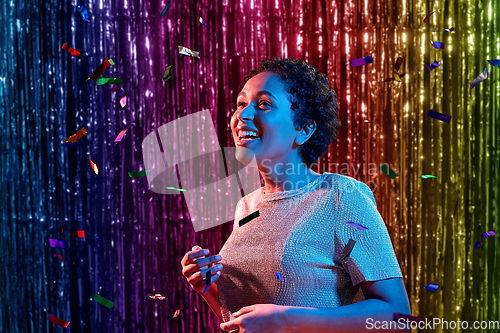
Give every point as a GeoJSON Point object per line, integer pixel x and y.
{"type": "Point", "coordinates": [120, 135]}
{"type": "Point", "coordinates": [59, 256]}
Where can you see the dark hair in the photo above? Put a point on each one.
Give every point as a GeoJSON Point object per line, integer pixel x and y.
{"type": "Point", "coordinates": [312, 99]}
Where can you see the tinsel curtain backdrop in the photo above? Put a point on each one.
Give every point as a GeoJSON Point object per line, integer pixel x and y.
{"type": "Point", "coordinates": [134, 238]}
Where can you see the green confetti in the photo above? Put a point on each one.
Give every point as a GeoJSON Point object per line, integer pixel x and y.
{"type": "Point", "coordinates": [249, 218]}
{"type": "Point", "coordinates": [385, 169]}
{"type": "Point", "coordinates": [108, 80]}
{"type": "Point", "coordinates": [103, 301]}
{"type": "Point", "coordinates": [347, 250]}
{"type": "Point", "coordinates": [176, 189]}
{"type": "Point", "coordinates": [111, 61]}
{"type": "Point", "coordinates": [138, 174]}
{"type": "Point", "coordinates": [427, 176]}
{"type": "Point", "coordinates": [166, 75]}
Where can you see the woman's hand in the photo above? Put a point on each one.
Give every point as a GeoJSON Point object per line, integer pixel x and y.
{"type": "Point", "coordinates": [195, 267]}
{"type": "Point", "coordinates": [258, 318]}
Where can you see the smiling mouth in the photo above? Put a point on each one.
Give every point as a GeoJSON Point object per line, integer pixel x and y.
{"type": "Point", "coordinates": [245, 136]}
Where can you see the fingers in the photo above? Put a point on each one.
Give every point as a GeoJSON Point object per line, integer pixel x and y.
{"type": "Point", "coordinates": [243, 310]}
{"type": "Point", "coordinates": [208, 260]}
{"type": "Point", "coordinates": [193, 254]}
{"type": "Point", "coordinates": [215, 269]}
{"type": "Point", "coordinates": [197, 253]}
{"type": "Point", "coordinates": [199, 277]}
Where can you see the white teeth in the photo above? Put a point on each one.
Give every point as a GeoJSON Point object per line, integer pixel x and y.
{"type": "Point", "coordinates": [247, 133]}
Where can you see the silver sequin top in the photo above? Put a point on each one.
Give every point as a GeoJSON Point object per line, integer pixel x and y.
{"type": "Point", "coordinates": [301, 234]}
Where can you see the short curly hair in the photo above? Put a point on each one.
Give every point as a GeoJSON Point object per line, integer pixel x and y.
{"type": "Point", "coordinates": [312, 99]}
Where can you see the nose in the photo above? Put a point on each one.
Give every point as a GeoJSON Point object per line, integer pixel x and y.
{"type": "Point", "coordinates": [246, 114]}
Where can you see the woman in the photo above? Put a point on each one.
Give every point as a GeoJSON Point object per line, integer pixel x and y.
{"type": "Point", "coordinates": [282, 271]}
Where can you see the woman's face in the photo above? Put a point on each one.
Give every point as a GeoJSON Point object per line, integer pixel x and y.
{"type": "Point", "coordinates": [263, 122]}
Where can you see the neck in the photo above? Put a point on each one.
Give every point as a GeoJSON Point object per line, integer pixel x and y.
{"type": "Point", "coordinates": [280, 176]}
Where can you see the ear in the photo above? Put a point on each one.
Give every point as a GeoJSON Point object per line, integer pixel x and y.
{"type": "Point", "coordinates": [306, 133]}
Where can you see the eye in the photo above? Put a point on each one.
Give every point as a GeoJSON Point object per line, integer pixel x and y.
{"type": "Point", "coordinates": [267, 103]}
{"type": "Point", "coordinates": [241, 104]}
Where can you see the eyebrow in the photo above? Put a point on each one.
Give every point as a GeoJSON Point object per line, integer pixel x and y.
{"type": "Point", "coordinates": [260, 93]}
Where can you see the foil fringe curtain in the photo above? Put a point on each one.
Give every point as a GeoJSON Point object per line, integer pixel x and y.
{"type": "Point", "coordinates": [135, 239]}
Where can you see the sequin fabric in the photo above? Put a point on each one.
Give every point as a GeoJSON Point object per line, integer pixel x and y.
{"type": "Point", "coordinates": [301, 234]}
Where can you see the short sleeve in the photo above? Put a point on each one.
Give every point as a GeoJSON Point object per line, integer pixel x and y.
{"type": "Point", "coordinates": [372, 257]}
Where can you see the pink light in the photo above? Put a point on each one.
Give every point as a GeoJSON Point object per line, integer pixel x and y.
{"type": "Point", "coordinates": [123, 101]}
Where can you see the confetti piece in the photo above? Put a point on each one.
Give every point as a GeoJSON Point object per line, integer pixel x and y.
{"type": "Point", "coordinates": [438, 45]}
{"type": "Point", "coordinates": [357, 226]}
{"type": "Point", "coordinates": [79, 233]}
{"type": "Point", "coordinates": [480, 78]}
{"type": "Point", "coordinates": [82, 143]}
{"type": "Point", "coordinates": [397, 316]}
{"type": "Point", "coordinates": [123, 101]}
{"type": "Point", "coordinates": [495, 62]}
{"type": "Point", "coordinates": [70, 50]}
{"type": "Point", "coordinates": [108, 80]}
{"type": "Point", "coordinates": [165, 10]}
{"type": "Point", "coordinates": [77, 136]}
{"type": "Point", "coordinates": [58, 321]}
{"type": "Point", "coordinates": [175, 189]}
{"type": "Point", "coordinates": [207, 281]}
{"type": "Point", "coordinates": [58, 255]}
{"type": "Point", "coordinates": [347, 250]}
{"type": "Point", "coordinates": [393, 79]}
{"type": "Point", "coordinates": [156, 296]}
{"type": "Point", "coordinates": [361, 61]}
{"type": "Point", "coordinates": [249, 218]}
{"type": "Point", "coordinates": [166, 75]}
{"type": "Point", "coordinates": [478, 227]}
{"type": "Point", "coordinates": [177, 313]}
{"type": "Point", "coordinates": [427, 176]}
{"type": "Point", "coordinates": [101, 300]}
{"type": "Point", "coordinates": [204, 23]}
{"type": "Point", "coordinates": [439, 116]}
{"type": "Point", "coordinates": [138, 174]}
{"type": "Point", "coordinates": [120, 92]}
{"type": "Point", "coordinates": [478, 245]}
{"type": "Point", "coordinates": [84, 13]}
{"type": "Point", "coordinates": [427, 17]}
{"type": "Point", "coordinates": [456, 206]}
{"type": "Point", "coordinates": [385, 169]}
{"type": "Point", "coordinates": [278, 276]}
{"type": "Point", "coordinates": [94, 167]}
{"type": "Point", "coordinates": [432, 287]}
{"type": "Point", "coordinates": [449, 30]}
{"type": "Point", "coordinates": [397, 66]}
{"type": "Point", "coordinates": [102, 67]}
{"type": "Point", "coordinates": [120, 135]}
{"type": "Point", "coordinates": [57, 243]}
{"type": "Point", "coordinates": [488, 233]}
{"type": "Point", "coordinates": [185, 51]}
{"type": "Point", "coordinates": [434, 65]}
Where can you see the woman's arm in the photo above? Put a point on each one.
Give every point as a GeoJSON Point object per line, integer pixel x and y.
{"type": "Point", "coordinates": [212, 299]}
{"type": "Point", "coordinates": [383, 298]}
